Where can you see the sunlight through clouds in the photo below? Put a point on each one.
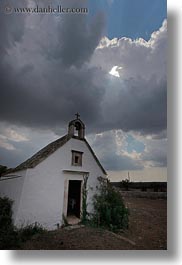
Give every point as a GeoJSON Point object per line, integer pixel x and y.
{"type": "Point", "coordinates": [114, 71]}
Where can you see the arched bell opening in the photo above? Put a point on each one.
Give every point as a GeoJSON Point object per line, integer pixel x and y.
{"type": "Point", "coordinates": [76, 128]}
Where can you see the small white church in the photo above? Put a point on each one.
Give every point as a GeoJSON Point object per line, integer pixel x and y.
{"type": "Point", "coordinates": [48, 187]}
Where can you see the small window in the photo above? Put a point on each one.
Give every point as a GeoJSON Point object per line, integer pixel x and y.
{"type": "Point", "coordinates": [76, 158]}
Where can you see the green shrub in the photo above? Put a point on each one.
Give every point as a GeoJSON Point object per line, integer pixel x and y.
{"type": "Point", "coordinates": [2, 169]}
{"type": "Point", "coordinates": [109, 208]}
{"type": "Point", "coordinates": [8, 235]}
{"type": "Point", "coordinates": [5, 213]}
{"type": "Point", "coordinates": [25, 233]}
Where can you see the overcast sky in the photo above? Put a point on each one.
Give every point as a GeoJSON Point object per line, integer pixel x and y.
{"type": "Point", "coordinates": [109, 65]}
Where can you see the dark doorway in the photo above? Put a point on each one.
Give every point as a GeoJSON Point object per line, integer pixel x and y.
{"type": "Point", "coordinates": [74, 196]}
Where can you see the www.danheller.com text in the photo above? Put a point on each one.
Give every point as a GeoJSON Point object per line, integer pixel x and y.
{"type": "Point", "coordinates": [46, 10]}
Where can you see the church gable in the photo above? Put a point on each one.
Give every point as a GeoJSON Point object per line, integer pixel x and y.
{"type": "Point", "coordinates": [76, 130]}
{"type": "Point", "coordinates": [75, 155]}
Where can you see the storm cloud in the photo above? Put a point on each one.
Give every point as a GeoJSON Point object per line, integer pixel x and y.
{"type": "Point", "coordinates": [53, 66]}
{"type": "Point", "coordinates": [48, 75]}
{"type": "Point", "coordinates": [44, 82]}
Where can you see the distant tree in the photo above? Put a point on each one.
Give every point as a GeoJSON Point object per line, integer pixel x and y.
{"type": "Point", "coordinates": [125, 184]}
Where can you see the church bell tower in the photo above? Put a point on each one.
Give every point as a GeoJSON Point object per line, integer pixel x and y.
{"type": "Point", "coordinates": [76, 128]}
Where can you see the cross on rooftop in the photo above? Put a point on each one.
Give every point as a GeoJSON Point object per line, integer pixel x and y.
{"type": "Point", "coordinates": [77, 115]}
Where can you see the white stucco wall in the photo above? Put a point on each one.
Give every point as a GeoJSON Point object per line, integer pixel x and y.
{"type": "Point", "coordinates": [11, 186]}
{"type": "Point", "coordinates": [42, 196]}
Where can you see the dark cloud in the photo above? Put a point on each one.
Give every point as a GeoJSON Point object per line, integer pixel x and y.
{"type": "Point", "coordinates": [111, 155]}
{"type": "Point", "coordinates": [139, 105]}
{"type": "Point", "coordinates": [46, 96]}
{"type": "Point", "coordinates": [44, 80]}
{"type": "Point", "coordinates": [11, 26]}
{"type": "Point", "coordinates": [10, 158]}
{"type": "Point", "coordinates": [47, 107]}
{"type": "Point", "coordinates": [156, 152]}
{"type": "Point", "coordinates": [78, 38]}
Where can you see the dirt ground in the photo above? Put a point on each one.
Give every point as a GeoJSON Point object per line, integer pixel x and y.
{"type": "Point", "coordinates": [147, 230]}
{"type": "Point", "coordinates": [148, 223]}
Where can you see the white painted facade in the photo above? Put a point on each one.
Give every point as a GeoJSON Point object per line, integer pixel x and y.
{"type": "Point", "coordinates": [40, 194]}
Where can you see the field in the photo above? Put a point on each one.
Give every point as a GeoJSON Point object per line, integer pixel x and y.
{"type": "Point", "coordinates": [147, 230]}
